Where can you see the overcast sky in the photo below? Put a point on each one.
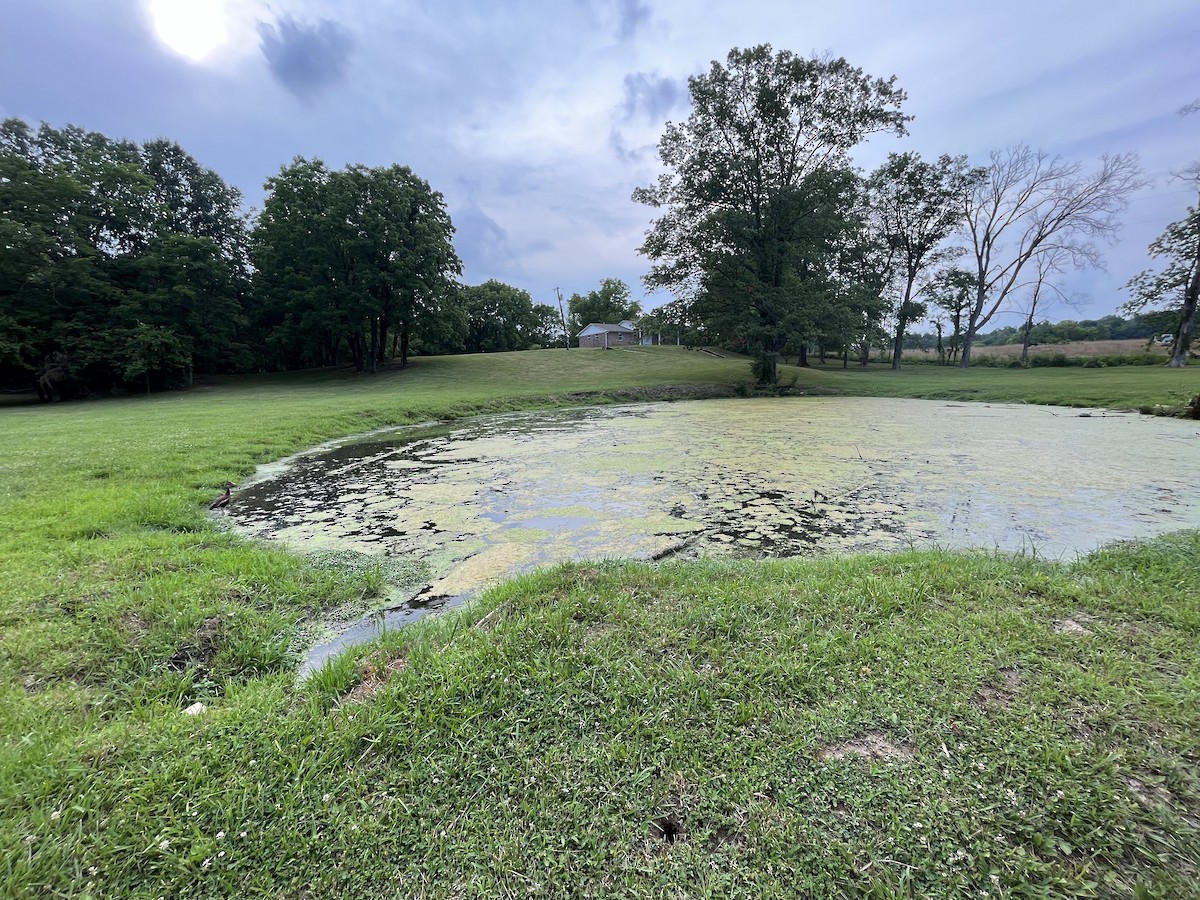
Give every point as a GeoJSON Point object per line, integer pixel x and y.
{"type": "Point", "coordinates": [537, 118]}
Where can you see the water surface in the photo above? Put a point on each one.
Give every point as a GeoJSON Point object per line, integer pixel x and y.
{"type": "Point", "coordinates": [481, 500]}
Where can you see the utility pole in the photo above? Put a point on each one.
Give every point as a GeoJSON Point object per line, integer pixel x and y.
{"type": "Point", "coordinates": [563, 316]}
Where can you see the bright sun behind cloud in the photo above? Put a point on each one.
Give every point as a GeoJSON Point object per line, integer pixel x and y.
{"type": "Point", "coordinates": [192, 28]}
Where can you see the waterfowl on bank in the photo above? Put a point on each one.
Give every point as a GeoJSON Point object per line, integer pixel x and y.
{"type": "Point", "coordinates": [223, 501]}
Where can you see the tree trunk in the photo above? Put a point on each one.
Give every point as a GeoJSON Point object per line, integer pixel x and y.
{"type": "Point", "coordinates": [964, 360]}
{"type": "Point", "coordinates": [802, 361]}
{"type": "Point", "coordinates": [898, 342]}
{"type": "Point", "coordinates": [375, 346]}
{"type": "Point", "coordinates": [404, 345]}
{"type": "Point", "coordinates": [1025, 340]}
{"type": "Point", "coordinates": [972, 326]}
{"type": "Point", "coordinates": [1183, 340]}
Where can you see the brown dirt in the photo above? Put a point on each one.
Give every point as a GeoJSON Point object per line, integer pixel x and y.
{"type": "Point", "coordinates": [875, 746]}
{"type": "Point", "coordinates": [201, 649]}
{"type": "Point", "coordinates": [1000, 695]}
{"type": "Point", "coordinates": [1149, 795]}
{"type": "Point", "coordinates": [1076, 624]}
{"type": "Point", "coordinates": [377, 670]}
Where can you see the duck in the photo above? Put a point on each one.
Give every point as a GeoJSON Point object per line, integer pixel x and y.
{"type": "Point", "coordinates": [223, 501]}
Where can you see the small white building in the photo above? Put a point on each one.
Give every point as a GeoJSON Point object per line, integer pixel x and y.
{"type": "Point", "coordinates": [604, 336]}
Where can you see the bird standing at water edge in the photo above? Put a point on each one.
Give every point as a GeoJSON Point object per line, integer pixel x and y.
{"type": "Point", "coordinates": [223, 501]}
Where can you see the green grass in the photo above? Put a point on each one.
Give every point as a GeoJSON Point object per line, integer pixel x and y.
{"type": "Point", "coordinates": [1132, 387]}
{"type": "Point", "coordinates": [617, 729]}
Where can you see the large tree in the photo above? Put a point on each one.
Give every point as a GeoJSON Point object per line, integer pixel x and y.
{"type": "Point", "coordinates": [123, 264]}
{"type": "Point", "coordinates": [1176, 286]}
{"type": "Point", "coordinates": [1029, 204]}
{"type": "Point", "coordinates": [501, 317]}
{"type": "Point", "coordinates": [916, 206]}
{"type": "Point", "coordinates": [744, 172]}
{"type": "Point", "coordinates": [351, 257]}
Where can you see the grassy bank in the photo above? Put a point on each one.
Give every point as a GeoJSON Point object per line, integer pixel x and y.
{"type": "Point", "coordinates": [1144, 388]}
{"type": "Point", "coordinates": [911, 725]}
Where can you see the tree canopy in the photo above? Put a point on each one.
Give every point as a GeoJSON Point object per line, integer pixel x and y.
{"type": "Point", "coordinates": [350, 257]}
{"type": "Point", "coordinates": [610, 303]}
{"type": "Point", "coordinates": [124, 265]}
{"type": "Point", "coordinates": [1176, 286]}
{"type": "Point", "coordinates": [501, 317]}
{"type": "Point", "coordinates": [757, 191]}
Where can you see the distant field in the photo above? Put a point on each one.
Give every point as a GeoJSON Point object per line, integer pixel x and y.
{"type": "Point", "coordinates": [1075, 348]}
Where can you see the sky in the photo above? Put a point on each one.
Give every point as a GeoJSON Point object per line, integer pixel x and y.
{"type": "Point", "coordinates": [536, 119]}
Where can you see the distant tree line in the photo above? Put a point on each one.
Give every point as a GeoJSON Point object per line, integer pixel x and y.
{"type": "Point", "coordinates": [131, 266]}
{"type": "Point", "coordinates": [1147, 327]}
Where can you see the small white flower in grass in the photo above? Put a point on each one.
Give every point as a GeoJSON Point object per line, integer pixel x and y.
{"type": "Point", "coordinates": [93, 870]}
{"type": "Point", "coordinates": [325, 798]}
{"type": "Point", "coordinates": [243, 834]}
{"type": "Point", "coordinates": [54, 816]}
{"type": "Point", "coordinates": [207, 862]}
{"type": "Point", "coordinates": [221, 855]}
{"type": "Point", "coordinates": [164, 844]}
{"type": "Point", "coordinates": [436, 780]}
{"type": "Point", "coordinates": [1059, 795]}
{"type": "Point", "coordinates": [220, 835]}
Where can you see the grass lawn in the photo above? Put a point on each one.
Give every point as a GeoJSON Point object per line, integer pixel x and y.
{"type": "Point", "coordinates": [924, 724]}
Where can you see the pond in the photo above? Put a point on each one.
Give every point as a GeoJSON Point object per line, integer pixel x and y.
{"type": "Point", "coordinates": [439, 511]}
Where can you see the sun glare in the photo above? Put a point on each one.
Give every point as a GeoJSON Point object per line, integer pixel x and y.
{"type": "Point", "coordinates": [192, 28]}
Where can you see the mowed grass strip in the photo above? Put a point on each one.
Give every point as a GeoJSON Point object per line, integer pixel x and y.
{"type": "Point", "coordinates": [612, 730]}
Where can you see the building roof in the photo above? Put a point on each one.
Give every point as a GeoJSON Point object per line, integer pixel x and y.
{"type": "Point", "coordinates": [625, 327]}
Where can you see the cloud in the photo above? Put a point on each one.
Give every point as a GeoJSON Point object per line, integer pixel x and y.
{"type": "Point", "coordinates": [650, 96]}
{"type": "Point", "coordinates": [631, 14]}
{"type": "Point", "coordinates": [483, 245]}
{"type": "Point", "coordinates": [305, 58]}
{"type": "Point", "coordinates": [627, 152]}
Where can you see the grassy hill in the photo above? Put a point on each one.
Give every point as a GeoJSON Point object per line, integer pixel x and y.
{"type": "Point", "coordinates": [925, 724]}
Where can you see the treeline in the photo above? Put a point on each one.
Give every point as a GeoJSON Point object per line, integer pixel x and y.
{"type": "Point", "coordinates": [132, 267]}
{"type": "Point", "coordinates": [1108, 328]}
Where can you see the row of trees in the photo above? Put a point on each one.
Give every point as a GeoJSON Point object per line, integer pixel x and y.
{"type": "Point", "coordinates": [133, 266]}
{"type": "Point", "coordinates": [120, 262]}
{"type": "Point", "coordinates": [771, 241]}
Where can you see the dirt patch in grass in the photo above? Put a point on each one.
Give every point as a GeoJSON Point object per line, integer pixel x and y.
{"type": "Point", "coordinates": [202, 648]}
{"type": "Point", "coordinates": [1147, 794]}
{"type": "Point", "coordinates": [1076, 624]}
{"type": "Point", "coordinates": [1002, 694]}
{"type": "Point", "coordinates": [376, 671]}
{"type": "Point", "coordinates": [136, 626]}
{"type": "Point", "coordinates": [724, 838]}
{"type": "Point", "coordinates": [875, 746]}
{"type": "Point", "coordinates": [598, 631]}
{"type": "Point", "coordinates": [666, 830]}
